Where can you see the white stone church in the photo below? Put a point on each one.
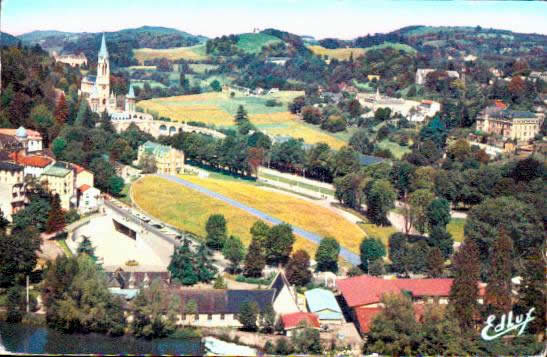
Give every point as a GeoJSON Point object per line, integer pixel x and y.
{"type": "Point", "coordinates": [99, 95]}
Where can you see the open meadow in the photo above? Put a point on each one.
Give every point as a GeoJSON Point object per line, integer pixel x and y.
{"type": "Point", "coordinates": [219, 109]}
{"type": "Point", "coordinates": [195, 53]}
{"type": "Point", "coordinates": [188, 210]}
{"type": "Point", "coordinates": [337, 53]}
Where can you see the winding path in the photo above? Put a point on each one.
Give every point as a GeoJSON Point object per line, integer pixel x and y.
{"type": "Point", "coordinates": [346, 254]}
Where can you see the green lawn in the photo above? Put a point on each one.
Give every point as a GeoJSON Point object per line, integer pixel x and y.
{"type": "Point", "coordinates": [253, 42]}
{"type": "Point", "coordinates": [202, 67]}
{"type": "Point", "coordinates": [140, 83]}
{"type": "Point", "coordinates": [455, 227]}
{"type": "Point", "coordinates": [397, 150]}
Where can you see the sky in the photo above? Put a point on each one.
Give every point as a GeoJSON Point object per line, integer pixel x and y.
{"type": "Point", "coordinates": [343, 19]}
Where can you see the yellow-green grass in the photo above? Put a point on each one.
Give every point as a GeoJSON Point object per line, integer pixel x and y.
{"type": "Point", "coordinates": [298, 212]}
{"type": "Point", "coordinates": [202, 67]}
{"type": "Point", "coordinates": [142, 68]}
{"type": "Point", "coordinates": [381, 232]}
{"type": "Point", "coordinates": [455, 227]}
{"type": "Point", "coordinates": [189, 210]}
{"type": "Point", "coordinates": [196, 53]}
{"type": "Point", "coordinates": [397, 150]}
{"type": "Point", "coordinates": [337, 53]}
{"type": "Point", "coordinates": [219, 109]}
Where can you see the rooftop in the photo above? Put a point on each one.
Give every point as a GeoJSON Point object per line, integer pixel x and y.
{"type": "Point", "coordinates": [215, 301]}
{"type": "Point", "coordinates": [155, 148]}
{"type": "Point", "coordinates": [56, 171]}
{"type": "Point", "coordinates": [293, 320]}
{"type": "Point", "coordinates": [367, 160]}
{"type": "Point", "coordinates": [8, 166]}
{"type": "Point", "coordinates": [321, 299]}
{"type": "Point", "coordinates": [32, 134]}
{"type": "Point", "coordinates": [366, 289]}
{"type": "Point", "coordinates": [34, 161]}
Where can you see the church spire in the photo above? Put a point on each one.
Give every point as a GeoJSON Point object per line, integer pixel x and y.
{"type": "Point", "coordinates": [103, 53]}
{"type": "Point", "coordinates": [131, 93]}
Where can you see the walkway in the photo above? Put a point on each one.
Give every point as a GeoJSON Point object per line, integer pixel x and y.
{"type": "Point", "coordinates": [346, 254]}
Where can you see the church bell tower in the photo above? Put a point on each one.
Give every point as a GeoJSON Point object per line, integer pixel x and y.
{"type": "Point", "coordinates": [103, 77]}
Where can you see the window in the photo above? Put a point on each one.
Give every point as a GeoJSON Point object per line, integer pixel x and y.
{"type": "Point", "coordinates": [209, 317]}
{"type": "Point", "coordinates": [196, 317]}
{"type": "Point", "coordinates": [183, 317]}
{"type": "Point", "coordinates": [222, 316]}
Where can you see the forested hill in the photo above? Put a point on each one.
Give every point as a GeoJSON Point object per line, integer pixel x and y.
{"type": "Point", "coordinates": [8, 40]}
{"type": "Point", "coordinates": [472, 40]}
{"type": "Point", "coordinates": [120, 43]}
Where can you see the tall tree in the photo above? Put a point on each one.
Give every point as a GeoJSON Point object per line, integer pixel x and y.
{"type": "Point", "coordinates": [234, 251]}
{"type": "Point", "coordinates": [298, 268]}
{"type": "Point", "coordinates": [380, 199]}
{"type": "Point", "coordinates": [440, 334]}
{"type": "Point", "coordinates": [216, 231]}
{"type": "Point", "coordinates": [19, 257]}
{"type": "Point", "coordinates": [85, 247]}
{"type": "Point", "coordinates": [56, 218]}
{"type": "Point", "coordinates": [532, 289]}
{"type": "Point", "coordinates": [465, 289]}
{"type": "Point", "coordinates": [204, 267]}
{"type": "Point", "coordinates": [254, 260]}
{"type": "Point", "coordinates": [241, 115]}
{"type": "Point", "coordinates": [61, 110]}
{"type": "Point", "coordinates": [278, 247]}
{"type": "Point", "coordinates": [181, 266]}
{"type": "Point", "coordinates": [498, 290]}
{"type": "Point", "coordinates": [419, 201]}
{"type": "Point", "coordinates": [326, 255]}
{"type": "Point", "coordinates": [106, 123]}
{"type": "Point", "coordinates": [438, 213]}
{"type": "Point", "coordinates": [440, 238]}
{"type": "Point", "coordinates": [248, 315]}
{"type": "Point", "coordinates": [435, 263]}
{"type": "Point", "coordinates": [371, 249]}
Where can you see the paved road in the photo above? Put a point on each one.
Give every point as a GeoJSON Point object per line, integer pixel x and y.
{"type": "Point", "coordinates": [346, 254]}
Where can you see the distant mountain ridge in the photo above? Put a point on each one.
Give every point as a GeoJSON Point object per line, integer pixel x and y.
{"type": "Point", "coordinates": [8, 40]}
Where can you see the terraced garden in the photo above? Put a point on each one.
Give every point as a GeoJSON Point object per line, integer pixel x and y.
{"type": "Point", "coordinates": [337, 53]}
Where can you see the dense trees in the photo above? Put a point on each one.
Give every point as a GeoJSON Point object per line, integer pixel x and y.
{"type": "Point", "coordinates": [56, 218]}
{"type": "Point", "coordinates": [248, 315]}
{"type": "Point", "coordinates": [18, 251]}
{"type": "Point", "coordinates": [380, 199]}
{"type": "Point", "coordinates": [255, 261]}
{"type": "Point", "coordinates": [499, 289]}
{"type": "Point", "coordinates": [76, 298]}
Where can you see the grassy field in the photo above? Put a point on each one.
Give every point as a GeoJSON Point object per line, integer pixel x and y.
{"type": "Point", "coordinates": [396, 46]}
{"type": "Point", "coordinates": [196, 53]}
{"type": "Point", "coordinates": [219, 109]}
{"type": "Point", "coordinates": [338, 53]}
{"type": "Point", "coordinates": [253, 42]}
{"type": "Point", "coordinates": [304, 214]}
{"type": "Point", "coordinates": [455, 227]}
{"type": "Point", "coordinates": [153, 84]}
{"type": "Point", "coordinates": [189, 210]}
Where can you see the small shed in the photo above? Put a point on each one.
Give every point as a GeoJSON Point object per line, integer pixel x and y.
{"type": "Point", "coordinates": [323, 303]}
{"type": "Point", "coordinates": [298, 320]}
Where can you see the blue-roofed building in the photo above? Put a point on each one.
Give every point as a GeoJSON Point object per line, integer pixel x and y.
{"type": "Point", "coordinates": [323, 303]}
{"type": "Point", "coordinates": [367, 160]}
{"type": "Point", "coordinates": [127, 294]}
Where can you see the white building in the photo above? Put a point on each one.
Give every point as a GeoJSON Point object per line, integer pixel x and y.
{"type": "Point", "coordinates": [421, 74]}
{"type": "Point", "coordinates": [89, 199]}
{"type": "Point", "coordinates": [31, 139]}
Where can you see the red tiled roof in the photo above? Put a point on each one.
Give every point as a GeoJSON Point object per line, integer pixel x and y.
{"type": "Point", "coordinates": [84, 188]}
{"type": "Point", "coordinates": [425, 287]}
{"type": "Point", "coordinates": [78, 168]}
{"type": "Point", "coordinates": [365, 315]}
{"type": "Point", "coordinates": [293, 320]}
{"type": "Point", "coordinates": [34, 161]}
{"type": "Point", "coordinates": [365, 289]}
{"type": "Point", "coordinates": [500, 104]}
{"type": "Point", "coordinates": [426, 101]}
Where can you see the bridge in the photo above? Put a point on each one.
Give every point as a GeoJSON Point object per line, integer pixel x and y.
{"type": "Point", "coordinates": [158, 128]}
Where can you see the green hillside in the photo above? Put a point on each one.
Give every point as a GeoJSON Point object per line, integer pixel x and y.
{"type": "Point", "coordinates": [253, 42]}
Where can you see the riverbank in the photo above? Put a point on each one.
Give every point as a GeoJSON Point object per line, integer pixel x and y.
{"type": "Point", "coordinates": [20, 338]}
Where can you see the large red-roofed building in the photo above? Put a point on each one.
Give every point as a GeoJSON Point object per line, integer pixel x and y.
{"type": "Point", "coordinates": [362, 295]}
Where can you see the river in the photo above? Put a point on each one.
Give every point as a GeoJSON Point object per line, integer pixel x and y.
{"type": "Point", "coordinates": [27, 339]}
